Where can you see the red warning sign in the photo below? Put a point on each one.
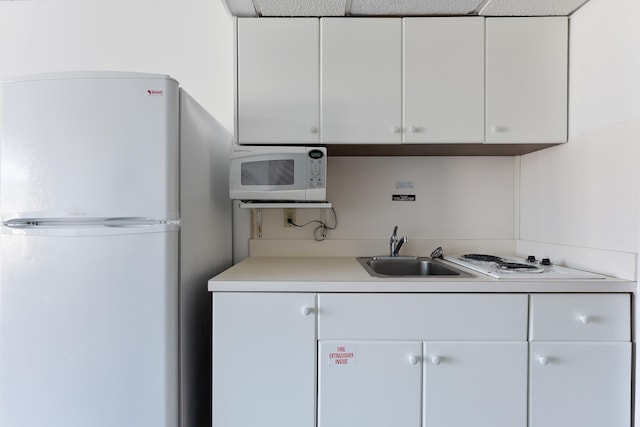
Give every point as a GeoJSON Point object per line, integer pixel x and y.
{"type": "Point", "coordinates": [342, 356]}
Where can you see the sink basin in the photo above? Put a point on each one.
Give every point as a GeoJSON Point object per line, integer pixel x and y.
{"type": "Point", "coordinates": [408, 267]}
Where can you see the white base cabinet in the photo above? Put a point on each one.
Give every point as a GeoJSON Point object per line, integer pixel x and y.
{"type": "Point", "coordinates": [264, 359]}
{"type": "Point", "coordinates": [421, 360]}
{"type": "Point", "coordinates": [580, 360]}
{"type": "Point", "coordinates": [462, 360]}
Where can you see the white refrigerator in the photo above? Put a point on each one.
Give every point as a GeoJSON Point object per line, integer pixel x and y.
{"type": "Point", "coordinates": [114, 210]}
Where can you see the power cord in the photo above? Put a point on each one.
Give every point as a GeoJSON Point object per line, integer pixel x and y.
{"type": "Point", "coordinates": [323, 228]}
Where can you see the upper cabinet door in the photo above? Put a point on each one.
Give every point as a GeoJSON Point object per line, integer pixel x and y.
{"type": "Point", "coordinates": [278, 74]}
{"type": "Point", "coordinates": [443, 80]}
{"type": "Point", "coordinates": [526, 83]}
{"type": "Point", "coordinates": [361, 80]}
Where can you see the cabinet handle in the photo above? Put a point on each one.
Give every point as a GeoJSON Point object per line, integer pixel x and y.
{"type": "Point", "coordinates": [544, 361]}
{"type": "Point", "coordinates": [584, 319]}
{"type": "Point", "coordinates": [396, 129]}
{"type": "Point", "coordinates": [436, 360]}
{"type": "Point", "coordinates": [306, 311]}
{"type": "Point", "coordinates": [498, 129]}
{"type": "Point", "coordinates": [313, 129]}
{"type": "Point", "coordinates": [415, 129]}
{"type": "Point", "coordinates": [413, 359]}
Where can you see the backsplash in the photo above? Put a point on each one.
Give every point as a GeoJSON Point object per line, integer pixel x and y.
{"type": "Point", "coordinates": [455, 198]}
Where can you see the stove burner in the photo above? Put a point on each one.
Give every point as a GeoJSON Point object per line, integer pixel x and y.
{"type": "Point", "coordinates": [482, 257]}
{"type": "Point", "coordinates": [515, 266]}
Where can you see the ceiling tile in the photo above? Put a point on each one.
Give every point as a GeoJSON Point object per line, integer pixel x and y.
{"type": "Point", "coordinates": [301, 7]}
{"type": "Point", "coordinates": [531, 7]}
{"type": "Point", "coordinates": [413, 7]}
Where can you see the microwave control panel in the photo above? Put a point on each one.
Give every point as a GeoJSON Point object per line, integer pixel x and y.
{"type": "Point", "coordinates": [316, 169]}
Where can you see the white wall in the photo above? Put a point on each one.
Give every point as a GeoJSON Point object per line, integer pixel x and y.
{"type": "Point", "coordinates": [190, 40]}
{"type": "Point", "coordinates": [604, 58]}
{"type": "Point", "coordinates": [586, 194]}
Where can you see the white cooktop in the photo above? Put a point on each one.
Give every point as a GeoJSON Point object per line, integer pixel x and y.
{"type": "Point", "coordinates": [541, 272]}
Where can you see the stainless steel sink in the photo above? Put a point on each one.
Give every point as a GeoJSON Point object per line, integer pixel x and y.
{"type": "Point", "coordinates": [401, 266]}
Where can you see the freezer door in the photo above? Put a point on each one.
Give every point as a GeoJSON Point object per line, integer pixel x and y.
{"type": "Point", "coordinates": [89, 330]}
{"type": "Point", "coordinates": [89, 146]}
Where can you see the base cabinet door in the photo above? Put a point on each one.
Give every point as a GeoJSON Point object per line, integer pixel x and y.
{"type": "Point", "coordinates": [264, 358]}
{"type": "Point", "coordinates": [580, 384]}
{"type": "Point", "coordinates": [369, 383]}
{"type": "Point", "coordinates": [481, 384]}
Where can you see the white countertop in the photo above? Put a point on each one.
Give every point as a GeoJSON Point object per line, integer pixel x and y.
{"type": "Point", "coordinates": [345, 274]}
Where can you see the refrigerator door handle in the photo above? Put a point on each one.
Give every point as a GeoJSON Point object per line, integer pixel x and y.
{"type": "Point", "coordinates": [128, 222]}
{"type": "Point", "coordinates": [121, 223]}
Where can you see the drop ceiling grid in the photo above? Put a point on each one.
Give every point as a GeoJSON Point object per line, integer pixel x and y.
{"type": "Point", "coordinates": [403, 7]}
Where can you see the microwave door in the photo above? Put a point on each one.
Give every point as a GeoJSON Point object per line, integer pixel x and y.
{"type": "Point", "coordinates": [269, 178]}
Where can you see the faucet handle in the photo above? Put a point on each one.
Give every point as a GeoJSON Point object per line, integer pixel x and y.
{"type": "Point", "coordinates": [394, 235]}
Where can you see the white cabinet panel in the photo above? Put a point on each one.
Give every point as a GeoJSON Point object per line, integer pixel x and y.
{"type": "Point", "coordinates": [373, 384]}
{"type": "Point", "coordinates": [580, 384]}
{"type": "Point", "coordinates": [526, 79]}
{"type": "Point", "coordinates": [487, 379]}
{"type": "Point", "coordinates": [264, 353]}
{"type": "Point", "coordinates": [278, 74]}
{"type": "Point", "coordinates": [580, 317]}
{"type": "Point", "coordinates": [361, 90]}
{"type": "Point", "coordinates": [423, 316]}
{"type": "Point", "coordinates": [443, 80]}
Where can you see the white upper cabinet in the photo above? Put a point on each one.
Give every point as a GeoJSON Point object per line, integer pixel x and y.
{"type": "Point", "coordinates": [443, 65]}
{"type": "Point", "coordinates": [421, 80]}
{"type": "Point", "coordinates": [526, 79]}
{"type": "Point", "coordinates": [361, 81]}
{"type": "Point", "coordinates": [278, 74]}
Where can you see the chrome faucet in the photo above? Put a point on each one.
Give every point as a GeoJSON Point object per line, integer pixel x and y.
{"type": "Point", "coordinates": [394, 243]}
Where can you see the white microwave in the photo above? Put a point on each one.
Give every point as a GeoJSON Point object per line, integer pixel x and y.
{"type": "Point", "coordinates": [278, 173]}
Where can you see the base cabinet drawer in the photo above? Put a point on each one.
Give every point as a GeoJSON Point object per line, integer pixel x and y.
{"type": "Point", "coordinates": [433, 317]}
{"type": "Point", "coordinates": [580, 317]}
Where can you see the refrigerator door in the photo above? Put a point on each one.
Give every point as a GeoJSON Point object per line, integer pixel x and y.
{"type": "Point", "coordinates": [89, 145]}
{"type": "Point", "coordinates": [89, 330]}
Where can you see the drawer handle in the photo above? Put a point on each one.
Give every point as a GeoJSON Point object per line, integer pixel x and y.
{"type": "Point", "coordinates": [306, 311]}
{"type": "Point", "coordinates": [413, 359]}
{"type": "Point", "coordinates": [584, 319]}
{"type": "Point", "coordinates": [436, 360]}
{"type": "Point", "coordinates": [544, 361]}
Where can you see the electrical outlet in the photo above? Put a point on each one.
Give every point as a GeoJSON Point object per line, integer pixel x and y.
{"type": "Point", "coordinates": [289, 217]}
